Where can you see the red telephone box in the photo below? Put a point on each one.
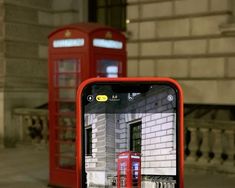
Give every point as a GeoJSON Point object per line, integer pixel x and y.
{"type": "Point", "coordinates": [76, 52]}
{"type": "Point", "coordinates": [129, 170]}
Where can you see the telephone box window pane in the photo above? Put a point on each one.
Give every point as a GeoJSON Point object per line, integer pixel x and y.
{"type": "Point", "coordinates": [67, 94]}
{"type": "Point", "coordinates": [68, 65]}
{"type": "Point", "coordinates": [66, 107]}
{"type": "Point", "coordinates": [67, 80]}
{"type": "Point", "coordinates": [112, 71]}
{"type": "Point", "coordinates": [67, 155]}
{"type": "Point", "coordinates": [135, 168]}
{"type": "Point", "coordinates": [108, 68]}
{"type": "Point", "coordinates": [67, 163]}
{"type": "Point", "coordinates": [67, 135]}
{"type": "Point", "coordinates": [67, 122]}
{"type": "Point", "coordinates": [104, 43]}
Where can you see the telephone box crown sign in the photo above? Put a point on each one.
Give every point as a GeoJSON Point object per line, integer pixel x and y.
{"type": "Point", "coordinates": [108, 35]}
{"type": "Point", "coordinates": [67, 33]}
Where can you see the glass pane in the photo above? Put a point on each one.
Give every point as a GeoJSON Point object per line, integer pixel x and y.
{"type": "Point", "coordinates": [135, 137]}
{"type": "Point", "coordinates": [68, 163]}
{"type": "Point", "coordinates": [136, 133]}
{"type": "Point", "coordinates": [115, 17]}
{"type": "Point", "coordinates": [68, 65]}
{"type": "Point", "coordinates": [108, 68]}
{"type": "Point", "coordinates": [67, 122]}
{"type": "Point", "coordinates": [67, 155]}
{"type": "Point", "coordinates": [114, 2]}
{"type": "Point", "coordinates": [67, 135]}
{"type": "Point", "coordinates": [67, 80]}
{"type": "Point", "coordinates": [66, 107]}
{"type": "Point", "coordinates": [102, 11]}
{"type": "Point", "coordinates": [101, 3]}
{"type": "Point", "coordinates": [89, 141]}
{"type": "Point", "coordinates": [67, 94]}
{"type": "Point", "coordinates": [101, 16]}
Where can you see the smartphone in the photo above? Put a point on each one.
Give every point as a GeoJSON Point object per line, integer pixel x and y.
{"type": "Point", "coordinates": [130, 133]}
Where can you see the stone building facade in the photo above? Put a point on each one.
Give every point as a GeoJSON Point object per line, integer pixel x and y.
{"type": "Point", "coordinates": [111, 135]}
{"type": "Point", "coordinates": [24, 28]}
{"type": "Point", "coordinates": [189, 40]}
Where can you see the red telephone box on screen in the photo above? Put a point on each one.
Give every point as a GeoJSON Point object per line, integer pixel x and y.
{"type": "Point", "coordinates": [129, 170]}
{"type": "Point", "coordinates": [76, 52]}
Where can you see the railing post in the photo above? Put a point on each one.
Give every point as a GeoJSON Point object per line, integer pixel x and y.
{"type": "Point", "coordinates": [44, 129]}
{"type": "Point", "coordinates": [193, 145]}
{"type": "Point", "coordinates": [27, 123]}
{"type": "Point", "coordinates": [230, 148]}
{"type": "Point", "coordinates": [20, 128]}
{"type": "Point", "coordinates": [217, 146]}
{"type": "Point", "coordinates": [204, 146]}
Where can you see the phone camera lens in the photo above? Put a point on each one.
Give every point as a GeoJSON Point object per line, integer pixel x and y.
{"type": "Point", "coordinates": [90, 98]}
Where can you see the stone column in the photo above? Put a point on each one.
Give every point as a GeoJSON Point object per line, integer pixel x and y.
{"type": "Point", "coordinates": [229, 163]}
{"type": "Point", "coordinates": [193, 146]}
{"type": "Point", "coordinates": [217, 147]}
{"type": "Point", "coordinates": [205, 146]}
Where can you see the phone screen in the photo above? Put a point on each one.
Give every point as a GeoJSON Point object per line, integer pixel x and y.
{"type": "Point", "coordinates": [130, 135]}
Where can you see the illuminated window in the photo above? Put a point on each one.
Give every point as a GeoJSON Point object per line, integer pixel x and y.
{"type": "Point", "coordinates": [108, 68]}
{"type": "Point", "coordinates": [112, 71]}
{"type": "Point", "coordinates": [104, 43]}
{"type": "Point", "coordinates": [108, 12]}
{"type": "Point", "coordinates": [62, 43]}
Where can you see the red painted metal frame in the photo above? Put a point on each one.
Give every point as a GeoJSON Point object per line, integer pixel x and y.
{"type": "Point", "coordinates": [128, 169]}
{"type": "Point", "coordinates": [87, 55]}
{"type": "Point", "coordinates": [123, 80]}
{"type": "Point", "coordinates": [58, 176]}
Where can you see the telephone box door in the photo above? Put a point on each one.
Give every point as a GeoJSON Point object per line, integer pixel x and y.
{"type": "Point", "coordinates": [129, 170]}
{"type": "Point", "coordinates": [122, 176]}
{"type": "Point", "coordinates": [66, 72]}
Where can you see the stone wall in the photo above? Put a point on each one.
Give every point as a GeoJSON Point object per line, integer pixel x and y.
{"type": "Point", "coordinates": [24, 28]}
{"type": "Point", "coordinates": [158, 153]}
{"type": "Point", "coordinates": [25, 73]}
{"type": "Point", "coordinates": [158, 147]}
{"type": "Point", "coordinates": [189, 40]}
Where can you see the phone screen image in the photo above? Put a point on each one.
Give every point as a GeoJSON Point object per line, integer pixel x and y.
{"type": "Point", "coordinates": [130, 135]}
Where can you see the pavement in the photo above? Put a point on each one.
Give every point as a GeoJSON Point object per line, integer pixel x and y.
{"type": "Point", "coordinates": [24, 167]}
{"type": "Point", "coordinates": [27, 167]}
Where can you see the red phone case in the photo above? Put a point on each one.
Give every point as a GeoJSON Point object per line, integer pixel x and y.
{"type": "Point", "coordinates": [137, 79]}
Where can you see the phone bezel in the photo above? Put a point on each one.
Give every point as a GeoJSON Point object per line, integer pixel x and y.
{"type": "Point", "coordinates": [80, 169]}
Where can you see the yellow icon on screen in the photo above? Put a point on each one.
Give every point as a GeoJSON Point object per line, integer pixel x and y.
{"type": "Point", "coordinates": [101, 98]}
